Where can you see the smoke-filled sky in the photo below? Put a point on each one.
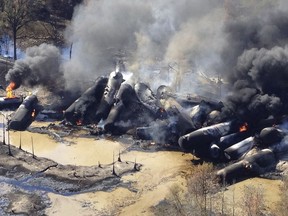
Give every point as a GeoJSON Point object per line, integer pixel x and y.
{"type": "Point", "coordinates": [145, 32]}
{"type": "Point", "coordinates": [243, 41]}
{"type": "Point", "coordinates": [40, 67]}
{"type": "Point", "coordinates": [254, 59]}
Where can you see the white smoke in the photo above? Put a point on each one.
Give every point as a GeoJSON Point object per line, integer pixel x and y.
{"type": "Point", "coordinates": [149, 35]}
{"type": "Point", "coordinates": [167, 41]}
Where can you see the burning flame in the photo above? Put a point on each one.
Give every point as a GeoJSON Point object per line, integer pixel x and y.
{"type": "Point", "coordinates": [244, 127]}
{"type": "Point", "coordinates": [33, 114]}
{"type": "Point", "coordinates": [10, 89]}
{"type": "Point", "coordinates": [79, 122]}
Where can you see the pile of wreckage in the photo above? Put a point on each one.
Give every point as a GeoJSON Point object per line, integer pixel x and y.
{"type": "Point", "coordinates": [194, 124]}
{"type": "Point", "coordinates": [123, 106]}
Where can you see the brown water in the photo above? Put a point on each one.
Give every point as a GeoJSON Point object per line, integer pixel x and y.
{"type": "Point", "coordinates": [150, 185]}
{"type": "Point", "coordinates": [160, 171]}
{"type": "Point", "coordinates": [82, 151]}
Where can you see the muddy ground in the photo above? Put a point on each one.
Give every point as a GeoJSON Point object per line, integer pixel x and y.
{"type": "Point", "coordinates": [71, 173]}
{"type": "Point", "coordinates": [28, 178]}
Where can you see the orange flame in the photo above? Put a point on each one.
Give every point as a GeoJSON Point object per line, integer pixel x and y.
{"type": "Point", "coordinates": [244, 127]}
{"type": "Point", "coordinates": [10, 89]}
{"type": "Point", "coordinates": [79, 122]}
{"type": "Point", "coordinates": [33, 114]}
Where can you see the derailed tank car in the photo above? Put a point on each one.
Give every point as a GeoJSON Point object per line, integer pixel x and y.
{"type": "Point", "coordinates": [251, 166]}
{"type": "Point", "coordinates": [199, 141]}
{"type": "Point", "coordinates": [108, 99]}
{"type": "Point", "coordinates": [10, 103]}
{"type": "Point", "coordinates": [25, 114]}
{"type": "Point", "coordinates": [82, 111]}
{"type": "Point", "coordinates": [128, 112]}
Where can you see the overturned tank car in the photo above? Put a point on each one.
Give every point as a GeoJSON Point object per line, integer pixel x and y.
{"type": "Point", "coordinates": [128, 112]}
{"type": "Point", "coordinates": [82, 111]}
{"type": "Point", "coordinates": [251, 166]}
{"type": "Point", "coordinates": [114, 81]}
{"type": "Point", "coordinates": [25, 114]}
{"type": "Point", "coordinates": [10, 103]}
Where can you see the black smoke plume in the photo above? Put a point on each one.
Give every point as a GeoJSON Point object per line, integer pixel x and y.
{"type": "Point", "coordinates": [254, 60]}
{"type": "Point", "coordinates": [39, 67]}
{"type": "Point", "coordinates": [243, 42]}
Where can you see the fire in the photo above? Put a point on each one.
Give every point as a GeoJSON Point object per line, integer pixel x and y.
{"type": "Point", "coordinates": [244, 127]}
{"type": "Point", "coordinates": [79, 122]}
{"type": "Point", "coordinates": [10, 89]}
{"type": "Point", "coordinates": [33, 114]}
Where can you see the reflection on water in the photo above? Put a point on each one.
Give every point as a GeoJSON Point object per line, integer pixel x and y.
{"type": "Point", "coordinates": [83, 151]}
{"type": "Point", "coordinates": [160, 171]}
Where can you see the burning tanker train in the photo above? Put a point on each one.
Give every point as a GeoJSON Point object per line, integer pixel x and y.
{"type": "Point", "coordinates": [231, 130]}
{"type": "Point", "coordinates": [40, 67]}
{"type": "Point", "coordinates": [206, 128]}
{"type": "Point", "coordinates": [197, 126]}
{"type": "Point", "coordinates": [10, 101]}
{"type": "Point", "coordinates": [25, 110]}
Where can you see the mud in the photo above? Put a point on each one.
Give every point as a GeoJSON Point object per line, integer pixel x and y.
{"type": "Point", "coordinates": [28, 176]}
{"type": "Point", "coordinates": [64, 177]}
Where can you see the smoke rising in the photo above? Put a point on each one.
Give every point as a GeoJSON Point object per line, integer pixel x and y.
{"type": "Point", "coordinates": [169, 42]}
{"type": "Point", "coordinates": [144, 33]}
{"type": "Point", "coordinates": [252, 26]}
{"type": "Point", "coordinates": [100, 32]}
{"type": "Point", "coordinates": [41, 66]}
{"type": "Point", "coordinates": [147, 35]}
{"type": "Point", "coordinates": [254, 60]}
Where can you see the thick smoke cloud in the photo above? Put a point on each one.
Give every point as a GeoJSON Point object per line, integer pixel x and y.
{"type": "Point", "coordinates": [100, 31]}
{"type": "Point", "coordinates": [146, 33]}
{"type": "Point", "coordinates": [41, 66]}
{"type": "Point", "coordinates": [254, 60]}
{"type": "Point", "coordinates": [252, 27]}
{"type": "Point", "coordinates": [169, 42]}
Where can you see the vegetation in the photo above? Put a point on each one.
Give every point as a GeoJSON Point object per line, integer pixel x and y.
{"type": "Point", "coordinates": [202, 186]}
{"type": "Point", "coordinates": [204, 196]}
{"type": "Point", "coordinates": [253, 201]}
{"type": "Point", "coordinates": [32, 22]}
{"type": "Point", "coordinates": [201, 198]}
{"type": "Point", "coordinates": [282, 207]}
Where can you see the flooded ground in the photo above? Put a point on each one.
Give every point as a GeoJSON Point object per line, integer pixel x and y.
{"type": "Point", "coordinates": [159, 171]}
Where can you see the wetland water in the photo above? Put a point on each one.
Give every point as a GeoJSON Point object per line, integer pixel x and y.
{"type": "Point", "coordinates": [138, 191]}
{"type": "Point", "coordinates": [159, 171]}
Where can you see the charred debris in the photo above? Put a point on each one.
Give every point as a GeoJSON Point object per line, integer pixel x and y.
{"type": "Point", "coordinates": [196, 125]}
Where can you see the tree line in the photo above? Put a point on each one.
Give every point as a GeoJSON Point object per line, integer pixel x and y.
{"type": "Point", "coordinates": [32, 22]}
{"type": "Point", "coordinates": [205, 196]}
